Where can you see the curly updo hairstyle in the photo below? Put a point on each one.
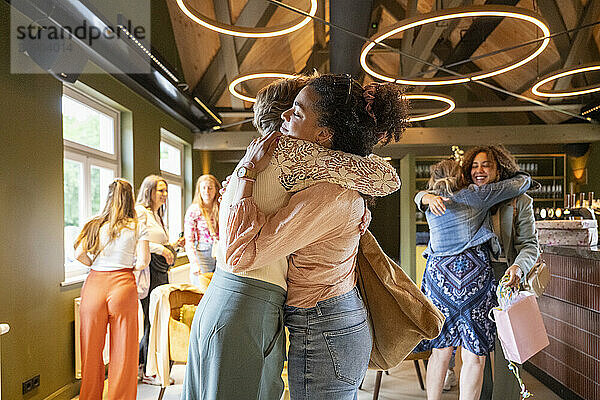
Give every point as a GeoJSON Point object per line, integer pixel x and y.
{"type": "Point", "coordinates": [506, 165]}
{"type": "Point", "coordinates": [359, 117]}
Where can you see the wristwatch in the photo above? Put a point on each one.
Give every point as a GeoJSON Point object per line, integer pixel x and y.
{"type": "Point", "coordinates": [247, 173]}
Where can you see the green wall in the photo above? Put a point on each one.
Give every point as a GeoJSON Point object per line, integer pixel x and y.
{"type": "Point", "coordinates": [38, 309]}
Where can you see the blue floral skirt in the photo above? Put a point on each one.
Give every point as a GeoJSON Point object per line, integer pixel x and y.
{"type": "Point", "coordinates": [462, 287]}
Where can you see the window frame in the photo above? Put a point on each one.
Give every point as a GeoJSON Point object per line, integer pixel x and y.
{"type": "Point", "coordinates": [169, 138]}
{"type": "Point", "coordinates": [104, 109]}
{"type": "Point", "coordinates": [89, 157]}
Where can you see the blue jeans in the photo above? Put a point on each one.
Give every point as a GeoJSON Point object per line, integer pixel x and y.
{"type": "Point", "coordinates": [330, 346]}
{"type": "Point", "coordinates": [237, 341]}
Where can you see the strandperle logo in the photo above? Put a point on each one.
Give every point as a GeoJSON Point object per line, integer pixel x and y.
{"type": "Point", "coordinates": [85, 32]}
{"type": "Point", "coordinates": [97, 36]}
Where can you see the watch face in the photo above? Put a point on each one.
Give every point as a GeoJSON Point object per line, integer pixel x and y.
{"type": "Point", "coordinates": [241, 172]}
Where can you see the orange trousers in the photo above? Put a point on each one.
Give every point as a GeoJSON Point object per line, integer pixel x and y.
{"type": "Point", "coordinates": [109, 298]}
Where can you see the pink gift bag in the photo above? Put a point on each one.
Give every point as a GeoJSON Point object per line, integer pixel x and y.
{"type": "Point", "coordinates": [521, 328]}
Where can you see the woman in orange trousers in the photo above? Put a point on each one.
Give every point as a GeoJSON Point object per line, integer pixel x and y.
{"type": "Point", "coordinates": [109, 295]}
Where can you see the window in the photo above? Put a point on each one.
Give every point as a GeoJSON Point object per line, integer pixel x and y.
{"type": "Point", "coordinates": [171, 167]}
{"type": "Point", "coordinates": [91, 162]}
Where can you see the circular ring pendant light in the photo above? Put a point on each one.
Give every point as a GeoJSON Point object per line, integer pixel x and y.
{"type": "Point", "coordinates": [431, 96]}
{"type": "Point", "coordinates": [413, 96]}
{"type": "Point", "coordinates": [249, 77]}
{"type": "Point", "coordinates": [453, 13]}
{"type": "Point", "coordinates": [259, 32]}
{"type": "Point", "coordinates": [565, 72]}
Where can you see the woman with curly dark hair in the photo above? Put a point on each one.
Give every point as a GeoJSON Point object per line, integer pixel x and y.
{"type": "Point", "coordinates": [458, 278]}
{"type": "Point", "coordinates": [518, 246]}
{"type": "Point", "coordinates": [330, 341]}
{"type": "Point", "coordinates": [226, 331]}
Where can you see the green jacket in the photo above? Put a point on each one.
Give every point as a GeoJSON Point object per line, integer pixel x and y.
{"type": "Point", "coordinates": [519, 241]}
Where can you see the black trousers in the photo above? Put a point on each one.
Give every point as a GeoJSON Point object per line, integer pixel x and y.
{"type": "Point", "coordinates": [158, 276]}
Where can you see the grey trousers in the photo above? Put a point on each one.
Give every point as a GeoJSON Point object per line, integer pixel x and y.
{"type": "Point", "coordinates": [504, 385]}
{"type": "Point", "coordinates": [237, 341]}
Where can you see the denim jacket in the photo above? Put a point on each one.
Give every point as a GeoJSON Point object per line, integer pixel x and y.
{"type": "Point", "coordinates": [466, 222]}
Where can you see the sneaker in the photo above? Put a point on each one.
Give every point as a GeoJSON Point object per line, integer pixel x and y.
{"type": "Point", "coordinates": [450, 380]}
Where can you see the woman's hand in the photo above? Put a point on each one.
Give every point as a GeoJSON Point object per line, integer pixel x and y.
{"type": "Point", "coordinates": [168, 255]}
{"type": "Point", "coordinates": [514, 274]}
{"type": "Point", "coordinates": [179, 243]}
{"type": "Point", "coordinates": [259, 151]}
{"type": "Point", "coordinates": [435, 203]}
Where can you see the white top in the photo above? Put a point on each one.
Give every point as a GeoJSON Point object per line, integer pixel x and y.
{"type": "Point", "coordinates": [269, 196]}
{"type": "Point", "coordinates": [120, 252]}
{"type": "Point", "coordinates": [157, 234]}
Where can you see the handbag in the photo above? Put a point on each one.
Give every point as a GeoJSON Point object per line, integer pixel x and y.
{"type": "Point", "coordinates": [142, 281]}
{"type": "Point", "coordinates": [399, 314]}
{"type": "Point", "coordinates": [537, 278]}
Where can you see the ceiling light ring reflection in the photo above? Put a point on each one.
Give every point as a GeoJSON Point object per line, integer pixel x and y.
{"type": "Point", "coordinates": [250, 32]}
{"type": "Point", "coordinates": [248, 77]}
{"type": "Point", "coordinates": [562, 73]}
{"type": "Point", "coordinates": [459, 12]}
{"type": "Point", "coordinates": [451, 105]}
{"type": "Point", "coordinates": [412, 96]}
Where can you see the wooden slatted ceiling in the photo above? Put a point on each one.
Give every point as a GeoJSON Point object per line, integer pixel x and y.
{"type": "Point", "coordinates": [198, 46]}
{"type": "Point", "coordinates": [512, 32]}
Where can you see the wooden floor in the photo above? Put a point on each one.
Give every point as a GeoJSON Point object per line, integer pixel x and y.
{"type": "Point", "coordinates": [401, 384]}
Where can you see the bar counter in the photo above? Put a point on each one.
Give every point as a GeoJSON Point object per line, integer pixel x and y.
{"type": "Point", "coordinates": [570, 307]}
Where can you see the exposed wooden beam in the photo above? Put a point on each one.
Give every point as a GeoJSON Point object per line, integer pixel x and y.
{"type": "Point", "coordinates": [550, 11]}
{"type": "Point", "coordinates": [441, 136]}
{"type": "Point", "coordinates": [228, 52]}
{"type": "Point", "coordinates": [319, 27]}
{"type": "Point", "coordinates": [393, 7]}
{"type": "Point", "coordinates": [407, 39]}
{"type": "Point", "coordinates": [319, 55]}
{"type": "Point", "coordinates": [210, 87]}
{"type": "Point", "coordinates": [580, 43]}
{"type": "Point", "coordinates": [477, 33]}
{"type": "Point", "coordinates": [425, 40]}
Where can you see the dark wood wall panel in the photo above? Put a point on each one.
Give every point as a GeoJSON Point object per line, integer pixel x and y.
{"type": "Point", "coordinates": [570, 309]}
{"type": "Point", "coordinates": [574, 280]}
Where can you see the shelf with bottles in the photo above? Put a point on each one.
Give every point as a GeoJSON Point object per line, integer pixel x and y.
{"type": "Point", "coordinates": [549, 171]}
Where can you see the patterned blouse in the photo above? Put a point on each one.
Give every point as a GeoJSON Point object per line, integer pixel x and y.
{"type": "Point", "coordinates": [195, 226]}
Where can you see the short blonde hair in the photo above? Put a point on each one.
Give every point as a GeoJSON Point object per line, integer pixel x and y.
{"type": "Point", "coordinates": [274, 99]}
